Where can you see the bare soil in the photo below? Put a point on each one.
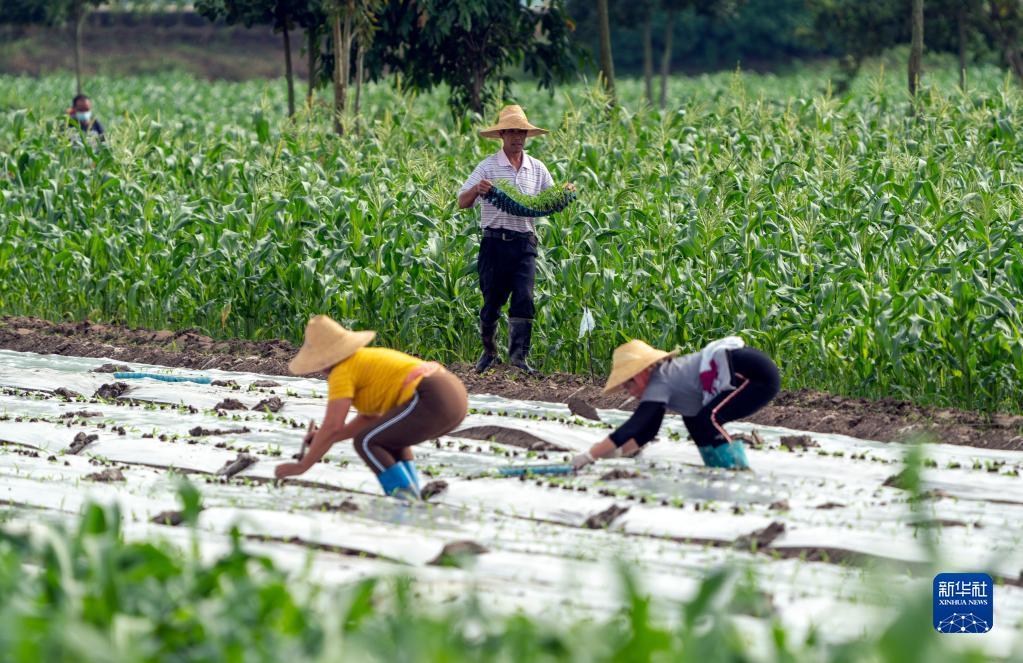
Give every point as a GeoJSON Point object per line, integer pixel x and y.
{"type": "Point", "coordinates": [887, 420]}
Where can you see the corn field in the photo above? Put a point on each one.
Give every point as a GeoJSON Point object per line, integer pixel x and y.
{"type": "Point", "coordinates": [871, 245]}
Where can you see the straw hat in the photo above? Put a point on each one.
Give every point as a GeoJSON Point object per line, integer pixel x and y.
{"type": "Point", "coordinates": [512, 117]}
{"type": "Point", "coordinates": [630, 359]}
{"type": "Point", "coordinates": [327, 343]}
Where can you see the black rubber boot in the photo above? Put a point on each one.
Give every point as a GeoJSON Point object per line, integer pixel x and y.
{"type": "Point", "coordinates": [520, 334]}
{"type": "Point", "coordinates": [488, 333]}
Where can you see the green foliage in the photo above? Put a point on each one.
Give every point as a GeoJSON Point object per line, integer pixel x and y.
{"type": "Point", "coordinates": [86, 594]}
{"type": "Point", "coordinates": [870, 252]}
{"type": "Point", "coordinates": [471, 45]}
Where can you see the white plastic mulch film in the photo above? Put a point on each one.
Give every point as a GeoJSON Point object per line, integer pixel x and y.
{"type": "Point", "coordinates": [682, 519]}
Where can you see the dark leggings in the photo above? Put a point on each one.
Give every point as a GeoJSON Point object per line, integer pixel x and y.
{"type": "Point", "coordinates": [756, 381]}
{"type": "Point", "coordinates": [438, 405]}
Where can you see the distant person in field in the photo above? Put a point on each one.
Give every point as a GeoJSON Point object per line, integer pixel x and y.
{"type": "Point", "coordinates": [401, 402]}
{"type": "Point", "coordinates": [723, 382]}
{"type": "Point", "coordinates": [508, 248]}
{"type": "Point", "coordinates": [80, 116]}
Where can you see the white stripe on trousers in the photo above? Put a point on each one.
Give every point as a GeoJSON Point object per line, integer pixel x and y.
{"type": "Point", "coordinates": [384, 426]}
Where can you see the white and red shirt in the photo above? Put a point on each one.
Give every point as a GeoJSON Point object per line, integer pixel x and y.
{"type": "Point", "coordinates": [531, 178]}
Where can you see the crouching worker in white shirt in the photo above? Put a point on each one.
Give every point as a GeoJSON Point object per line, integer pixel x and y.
{"type": "Point", "coordinates": [723, 382]}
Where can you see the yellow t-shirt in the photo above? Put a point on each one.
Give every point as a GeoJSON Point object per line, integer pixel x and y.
{"type": "Point", "coordinates": [372, 378]}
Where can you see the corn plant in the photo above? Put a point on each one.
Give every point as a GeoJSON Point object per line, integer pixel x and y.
{"type": "Point", "coordinates": [867, 242]}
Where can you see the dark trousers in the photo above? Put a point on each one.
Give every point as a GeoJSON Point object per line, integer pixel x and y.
{"type": "Point", "coordinates": [507, 268]}
{"type": "Point", "coordinates": [437, 406]}
{"type": "Point", "coordinates": [756, 381]}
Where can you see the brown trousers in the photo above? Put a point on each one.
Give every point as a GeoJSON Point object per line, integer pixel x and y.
{"type": "Point", "coordinates": [437, 406]}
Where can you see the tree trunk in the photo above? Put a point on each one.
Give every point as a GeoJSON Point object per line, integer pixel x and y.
{"type": "Point", "coordinates": [648, 57]}
{"type": "Point", "coordinates": [961, 24]}
{"type": "Point", "coordinates": [313, 52]}
{"type": "Point", "coordinates": [916, 49]}
{"type": "Point", "coordinates": [360, 53]}
{"type": "Point", "coordinates": [607, 67]}
{"type": "Point", "coordinates": [79, 20]}
{"type": "Point", "coordinates": [288, 74]}
{"type": "Point", "coordinates": [342, 60]}
{"type": "Point", "coordinates": [669, 29]}
{"type": "Point", "coordinates": [1015, 60]}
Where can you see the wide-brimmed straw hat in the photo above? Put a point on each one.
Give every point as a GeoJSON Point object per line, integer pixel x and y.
{"type": "Point", "coordinates": [327, 343]}
{"type": "Point", "coordinates": [512, 117]}
{"type": "Point", "coordinates": [630, 359]}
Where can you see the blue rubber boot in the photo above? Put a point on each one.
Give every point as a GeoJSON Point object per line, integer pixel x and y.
{"type": "Point", "coordinates": [730, 456]}
{"type": "Point", "coordinates": [410, 469]}
{"type": "Point", "coordinates": [397, 483]}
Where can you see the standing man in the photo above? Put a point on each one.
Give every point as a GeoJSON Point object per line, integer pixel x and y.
{"type": "Point", "coordinates": [507, 259]}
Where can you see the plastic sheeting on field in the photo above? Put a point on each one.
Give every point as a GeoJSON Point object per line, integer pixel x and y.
{"type": "Point", "coordinates": [681, 519]}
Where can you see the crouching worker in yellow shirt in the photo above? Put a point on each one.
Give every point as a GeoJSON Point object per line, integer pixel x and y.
{"type": "Point", "coordinates": [401, 401]}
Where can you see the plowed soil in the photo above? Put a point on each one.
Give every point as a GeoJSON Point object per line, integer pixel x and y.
{"type": "Point", "coordinates": [885, 420]}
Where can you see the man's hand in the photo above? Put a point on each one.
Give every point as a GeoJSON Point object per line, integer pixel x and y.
{"type": "Point", "coordinates": [483, 187]}
{"type": "Point", "coordinates": [582, 460]}
{"type": "Point", "coordinates": [285, 470]}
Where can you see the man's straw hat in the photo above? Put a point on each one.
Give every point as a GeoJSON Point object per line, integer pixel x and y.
{"type": "Point", "coordinates": [512, 117]}
{"type": "Point", "coordinates": [630, 359]}
{"type": "Point", "coordinates": [327, 343]}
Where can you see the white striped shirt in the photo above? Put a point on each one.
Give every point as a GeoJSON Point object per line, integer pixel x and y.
{"type": "Point", "coordinates": [531, 178]}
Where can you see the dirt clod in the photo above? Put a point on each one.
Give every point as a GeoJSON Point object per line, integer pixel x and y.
{"type": "Point", "coordinates": [942, 522]}
{"type": "Point", "coordinates": [82, 414]}
{"type": "Point", "coordinates": [230, 404]}
{"type": "Point", "coordinates": [618, 475]}
{"type": "Point", "coordinates": [793, 442]}
{"type": "Point", "coordinates": [581, 408]}
{"type": "Point", "coordinates": [265, 384]}
{"type": "Point", "coordinates": [347, 506]}
{"type": "Point", "coordinates": [199, 431]}
{"type": "Point", "coordinates": [509, 436]}
{"type": "Point", "coordinates": [235, 466]}
{"type": "Point", "coordinates": [900, 480]}
{"type": "Point", "coordinates": [272, 404]}
{"type": "Point", "coordinates": [111, 390]}
{"type": "Point", "coordinates": [761, 538]}
{"type": "Point", "coordinates": [224, 383]}
{"type": "Point", "coordinates": [829, 505]}
{"type": "Point", "coordinates": [606, 517]}
{"type": "Point", "coordinates": [66, 394]}
{"type": "Point", "coordinates": [108, 475]}
{"type": "Point", "coordinates": [780, 505]}
{"type": "Point", "coordinates": [457, 553]}
{"type": "Point", "coordinates": [433, 488]}
{"type": "Point", "coordinates": [172, 518]}
{"type": "Point", "coordinates": [112, 368]}
{"type": "Point", "coordinates": [80, 442]}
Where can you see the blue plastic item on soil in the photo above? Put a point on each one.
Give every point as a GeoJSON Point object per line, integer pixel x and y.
{"type": "Point", "coordinates": [519, 470]}
{"type": "Point", "coordinates": [396, 482]}
{"type": "Point", "coordinates": [730, 456]}
{"type": "Point", "coordinates": [160, 376]}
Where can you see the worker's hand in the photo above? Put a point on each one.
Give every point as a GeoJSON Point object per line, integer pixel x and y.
{"type": "Point", "coordinates": [483, 187]}
{"type": "Point", "coordinates": [582, 460]}
{"type": "Point", "coordinates": [570, 187]}
{"type": "Point", "coordinates": [285, 470]}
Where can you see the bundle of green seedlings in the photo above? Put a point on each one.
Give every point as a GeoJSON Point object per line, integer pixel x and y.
{"type": "Point", "coordinates": [505, 197]}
